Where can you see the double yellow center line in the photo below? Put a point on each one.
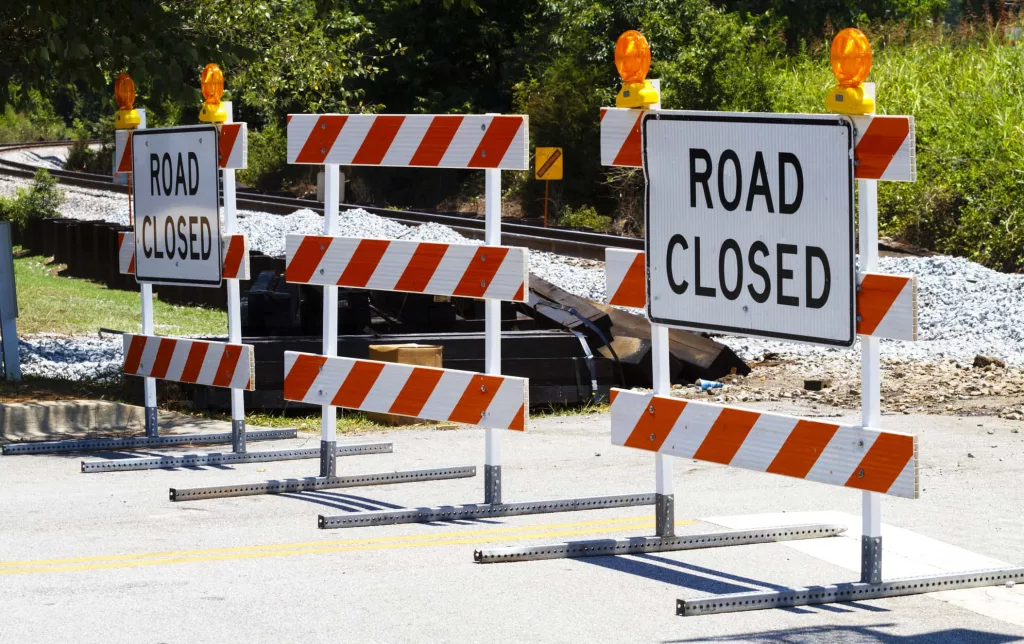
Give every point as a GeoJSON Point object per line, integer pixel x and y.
{"type": "Point", "coordinates": [462, 537]}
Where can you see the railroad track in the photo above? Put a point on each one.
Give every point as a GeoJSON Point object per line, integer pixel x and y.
{"type": "Point", "coordinates": [572, 243]}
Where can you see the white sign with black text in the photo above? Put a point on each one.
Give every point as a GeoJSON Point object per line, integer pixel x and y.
{"type": "Point", "coordinates": [177, 207]}
{"type": "Point", "coordinates": [750, 224]}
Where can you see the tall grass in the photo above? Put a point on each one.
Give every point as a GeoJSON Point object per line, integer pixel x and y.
{"type": "Point", "coordinates": [965, 88]}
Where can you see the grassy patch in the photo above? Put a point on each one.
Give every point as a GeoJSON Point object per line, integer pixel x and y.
{"type": "Point", "coordinates": [49, 303]}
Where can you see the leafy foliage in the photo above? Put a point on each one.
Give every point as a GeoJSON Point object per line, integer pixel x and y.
{"type": "Point", "coordinates": [41, 200]}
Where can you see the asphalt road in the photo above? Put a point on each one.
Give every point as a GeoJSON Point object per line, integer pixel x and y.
{"type": "Point", "coordinates": [107, 558]}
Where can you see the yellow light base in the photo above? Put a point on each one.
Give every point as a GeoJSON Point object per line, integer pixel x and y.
{"type": "Point", "coordinates": [849, 100]}
{"type": "Point", "coordinates": [127, 120]}
{"type": "Point", "coordinates": [637, 95]}
{"type": "Point", "coordinates": [217, 113]}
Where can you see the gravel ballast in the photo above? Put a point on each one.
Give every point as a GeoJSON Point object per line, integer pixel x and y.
{"type": "Point", "coordinates": [964, 309]}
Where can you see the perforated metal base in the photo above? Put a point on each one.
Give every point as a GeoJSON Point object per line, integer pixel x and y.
{"type": "Point", "coordinates": [482, 511]}
{"type": "Point", "coordinates": [664, 515]}
{"type": "Point", "coordinates": [492, 484]}
{"type": "Point", "coordinates": [870, 559]}
{"type": "Point", "coordinates": [320, 483]}
{"type": "Point", "coordinates": [640, 545]}
{"type": "Point", "coordinates": [328, 459]}
{"type": "Point", "coordinates": [238, 436]}
{"type": "Point", "coordinates": [856, 591]}
{"type": "Point", "coordinates": [199, 460]}
{"type": "Point", "coordinates": [152, 429]}
{"type": "Point", "coordinates": [138, 442]}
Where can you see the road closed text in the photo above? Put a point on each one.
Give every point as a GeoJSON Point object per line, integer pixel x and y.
{"type": "Point", "coordinates": [177, 209]}
{"type": "Point", "coordinates": [749, 225]}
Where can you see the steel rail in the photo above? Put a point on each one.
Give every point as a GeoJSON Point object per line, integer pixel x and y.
{"type": "Point", "coordinates": [574, 243]}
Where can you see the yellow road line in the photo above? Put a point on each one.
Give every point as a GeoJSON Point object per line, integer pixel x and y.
{"type": "Point", "coordinates": [281, 550]}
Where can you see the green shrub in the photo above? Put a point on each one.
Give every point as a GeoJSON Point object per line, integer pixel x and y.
{"type": "Point", "coordinates": [83, 158]}
{"type": "Point", "coordinates": [584, 217]}
{"type": "Point", "coordinates": [41, 200]}
{"type": "Point", "coordinates": [268, 159]}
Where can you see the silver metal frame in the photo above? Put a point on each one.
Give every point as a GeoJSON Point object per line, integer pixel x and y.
{"type": "Point", "coordinates": [320, 483]}
{"type": "Point", "coordinates": [855, 591]}
{"type": "Point", "coordinates": [138, 442]}
{"type": "Point", "coordinates": [641, 545]}
{"type": "Point", "coordinates": [230, 458]}
{"type": "Point", "coordinates": [481, 511]}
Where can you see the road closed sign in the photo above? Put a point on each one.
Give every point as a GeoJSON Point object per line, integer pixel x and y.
{"type": "Point", "coordinates": [750, 224]}
{"type": "Point", "coordinates": [177, 215]}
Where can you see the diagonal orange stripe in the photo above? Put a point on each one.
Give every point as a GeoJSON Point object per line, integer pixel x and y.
{"type": "Point", "coordinates": [475, 399]}
{"type": "Point", "coordinates": [880, 143]}
{"type": "Point", "coordinates": [233, 258]}
{"type": "Point", "coordinates": [520, 295]}
{"type": "Point", "coordinates": [134, 355]}
{"type": "Point", "coordinates": [363, 263]}
{"type": "Point", "coordinates": [163, 358]}
{"type": "Point", "coordinates": [481, 270]}
{"type": "Point", "coordinates": [436, 140]}
{"type": "Point", "coordinates": [226, 143]}
{"type": "Point", "coordinates": [300, 377]}
{"type": "Point", "coordinates": [357, 384]}
{"type": "Point", "coordinates": [321, 139]}
{"type": "Point", "coordinates": [603, 110]}
{"type": "Point", "coordinates": [416, 391]}
{"type": "Point", "coordinates": [883, 463]}
{"type": "Point", "coordinates": [495, 142]}
{"type": "Point", "coordinates": [194, 362]}
{"type": "Point", "coordinates": [633, 289]}
{"type": "Point", "coordinates": [306, 258]}
{"type": "Point", "coordinates": [125, 163]}
{"type": "Point", "coordinates": [726, 435]}
{"type": "Point", "coordinates": [378, 140]}
{"type": "Point", "coordinates": [876, 297]}
{"type": "Point", "coordinates": [519, 421]}
{"type": "Point", "coordinates": [226, 368]}
{"type": "Point", "coordinates": [653, 427]}
{"type": "Point", "coordinates": [801, 450]}
{"type": "Point", "coordinates": [421, 267]}
{"type": "Point", "coordinates": [629, 153]}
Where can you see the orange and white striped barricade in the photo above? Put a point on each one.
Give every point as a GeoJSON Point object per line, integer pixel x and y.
{"type": "Point", "coordinates": [490, 271]}
{"type": "Point", "coordinates": [863, 457]}
{"type": "Point", "coordinates": [178, 359]}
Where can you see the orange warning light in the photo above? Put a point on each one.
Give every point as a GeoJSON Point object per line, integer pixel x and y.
{"type": "Point", "coordinates": [632, 56]}
{"type": "Point", "coordinates": [633, 60]}
{"type": "Point", "coordinates": [850, 57]}
{"type": "Point", "coordinates": [212, 82]}
{"type": "Point", "coordinates": [127, 117]}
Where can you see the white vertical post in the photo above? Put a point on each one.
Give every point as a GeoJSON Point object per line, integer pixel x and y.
{"type": "Point", "coordinates": [661, 382]}
{"type": "Point", "coordinates": [662, 386]}
{"type": "Point", "coordinates": [149, 384]}
{"type": "Point", "coordinates": [871, 413]}
{"type": "Point", "coordinates": [492, 335]}
{"type": "Point", "coordinates": [329, 414]}
{"type": "Point", "coordinates": [234, 302]}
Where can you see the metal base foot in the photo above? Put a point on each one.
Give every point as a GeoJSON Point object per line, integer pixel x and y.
{"type": "Point", "coordinates": [855, 591]}
{"type": "Point", "coordinates": [238, 436]}
{"type": "Point", "coordinates": [328, 459]}
{"type": "Point", "coordinates": [138, 442]}
{"type": "Point", "coordinates": [640, 545]}
{"type": "Point", "coordinates": [870, 559]}
{"type": "Point", "coordinates": [199, 460]}
{"type": "Point", "coordinates": [664, 515]}
{"type": "Point", "coordinates": [152, 430]}
{"type": "Point", "coordinates": [320, 483]}
{"type": "Point", "coordinates": [492, 484]}
{"type": "Point", "coordinates": [482, 510]}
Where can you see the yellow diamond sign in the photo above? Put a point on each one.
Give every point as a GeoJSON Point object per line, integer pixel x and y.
{"type": "Point", "coordinates": [549, 164]}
